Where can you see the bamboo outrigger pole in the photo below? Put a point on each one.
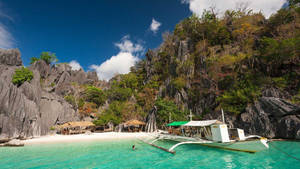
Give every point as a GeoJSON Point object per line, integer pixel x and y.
{"type": "Point", "coordinates": [173, 152]}
{"type": "Point", "coordinates": [223, 118]}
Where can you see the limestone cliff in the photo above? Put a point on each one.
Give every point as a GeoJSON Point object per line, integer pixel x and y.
{"type": "Point", "coordinates": [34, 107]}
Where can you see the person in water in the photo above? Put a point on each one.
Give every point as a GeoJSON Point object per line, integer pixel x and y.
{"type": "Point", "coordinates": [133, 147]}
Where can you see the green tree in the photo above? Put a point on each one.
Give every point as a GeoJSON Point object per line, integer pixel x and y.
{"type": "Point", "coordinates": [179, 83]}
{"type": "Point", "coordinates": [165, 108]}
{"type": "Point", "coordinates": [112, 114]}
{"type": "Point", "coordinates": [95, 95]}
{"type": "Point", "coordinates": [129, 80]}
{"type": "Point", "coordinates": [245, 91]}
{"type": "Point", "coordinates": [33, 60]}
{"type": "Point", "coordinates": [71, 99]}
{"type": "Point", "coordinates": [119, 94]}
{"type": "Point", "coordinates": [293, 2]}
{"type": "Point", "coordinates": [48, 57]}
{"type": "Point", "coordinates": [22, 75]}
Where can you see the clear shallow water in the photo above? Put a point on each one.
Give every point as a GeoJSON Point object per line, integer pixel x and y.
{"type": "Point", "coordinates": [118, 154]}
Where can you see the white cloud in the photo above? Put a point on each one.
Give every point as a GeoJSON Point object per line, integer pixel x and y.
{"type": "Point", "coordinates": [6, 39]}
{"type": "Point", "coordinates": [75, 65]}
{"type": "Point", "coordinates": [267, 7]}
{"type": "Point", "coordinates": [127, 46]}
{"type": "Point", "coordinates": [120, 63]}
{"type": "Point", "coordinates": [154, 25]}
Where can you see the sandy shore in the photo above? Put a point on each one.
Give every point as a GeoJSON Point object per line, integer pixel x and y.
{"type": "Point", "coordinates": [86, 137]}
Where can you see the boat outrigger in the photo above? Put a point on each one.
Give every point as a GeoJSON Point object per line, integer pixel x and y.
{"type": "Point", "coordinates": [211, 133]}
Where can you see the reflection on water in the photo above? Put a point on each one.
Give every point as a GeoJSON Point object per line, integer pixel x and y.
{"type": "Point", "coordinates": [228, 159]}
{"type": "Point", "coordinates": [118, 154]}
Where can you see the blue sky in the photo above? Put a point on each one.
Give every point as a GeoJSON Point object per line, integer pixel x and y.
{"type": "Point", "coordinates": [105, 35]}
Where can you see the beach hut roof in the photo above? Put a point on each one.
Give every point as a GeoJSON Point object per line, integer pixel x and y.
{"type": "Point", "coordinates": [77, 124]}
{"type": "Point", "coordinates": [202, 123]}
{"type": "Point", "coordinates": [177, 123]}
{"type": "Point", "coordinates": [134, 122]}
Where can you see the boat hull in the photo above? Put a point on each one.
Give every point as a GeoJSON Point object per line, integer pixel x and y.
{"type": "Point", "coordinates": [244, 146]}
{"type": "Point", "coordinates": [249, 146]}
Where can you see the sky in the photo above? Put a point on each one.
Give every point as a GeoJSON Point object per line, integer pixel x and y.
{"type": "Point", "coordinates": [107, 36]}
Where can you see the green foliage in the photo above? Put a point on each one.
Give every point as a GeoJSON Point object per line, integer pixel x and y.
{"type": "Point", "coordinates": [283, 16]}
{"type": "Point", "coordinates": [22, 75]}
{"type": "Point", "coordinates": [112, 114]}
{"type": "Point", "coordinates": [106, 118]}
{"type": "Point", "coordinates": [119, 94]}
{"type": "Point", "coordinates": [243, 93]}
{"type": "Point", "coordinates": [95, 95]}
{"type": "Point", "coordinates": [165, 108]}
{"type": "Point", "coordinates": [154, 83]}
{"type": "Point", "coordinates": [189, 27]}
{"type": "Point", "coordinates": [71, 99]}
{"type": "Point", "coordinates": [52, 128]}
{"type": "Point", "coordinates": [293, 2]}
{"type": "Point", "coordinates": [233, 57]}
{"type": "Point", "coordinates": [129, 80]}
{"type": "Point", "coordinates": [296, 98]}
{"type": "Point", "coordinates": [81, 103]}
{"type": "Point", "coordinates": [52, 84]}
{"type": "Point", "coordinates": [48, 57]}
{"type": "Point", "coordinates": [33, 60]}
{"type": "Point", "coordinates": [179, 83]}
{"type": "Point", "coordinates": [146, 98]}
{"type": "Point", "coordinates": [280, 82]}
{"type": "Point", "coordinates": [278, 52]}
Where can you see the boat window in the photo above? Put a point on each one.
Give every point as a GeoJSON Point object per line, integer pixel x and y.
{"type": "Point", "coordinates": [233, 134]}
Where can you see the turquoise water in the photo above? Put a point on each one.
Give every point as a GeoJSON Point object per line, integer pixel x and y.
{"type": "Point", "coordinates": [118, 154]}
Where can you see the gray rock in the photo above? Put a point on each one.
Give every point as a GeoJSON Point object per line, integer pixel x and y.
{"type": "Point", "coordinates": [92, 76]}
{"type": "Point", "coordinates": [55, 110]}
{"type": "Point", "coordinates": [18, 115]}
{"type": "Point", "coordinates": [29, 111]}
{"type": "Point", "coordinates": [271, 117]}
{"type": "Point", "coordinates": [11, 57]}
{"type": "Point", "coordinates": [33, 89]}
{"type": "Point", "coordinates": [277, 107]}
{"type": "Point", "coordinates": [42, 67]}
{"type": "Point", "coordinates": [79, 76]}
{"type": "Point", "coordinates": [289, 127]}
{"type": "Point", "coordinates": [256, 121]}
{"type": "Point", "coordinates": [183, 50]}
{"type": "Point", "coordinates": [14, 143]}
{"type": "Point", "coordinates": [298, 135]}
{"type": "Point", "coordinates": [273, 92]}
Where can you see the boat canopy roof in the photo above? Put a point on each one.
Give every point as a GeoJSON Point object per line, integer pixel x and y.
{"type": "Point", "coordinates": [202, 123]}
{"type": "Point", "coordinates": [177, 123]}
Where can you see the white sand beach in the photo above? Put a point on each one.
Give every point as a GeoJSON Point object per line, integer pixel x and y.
{"type": "Point", "coordinates": [86, 137]}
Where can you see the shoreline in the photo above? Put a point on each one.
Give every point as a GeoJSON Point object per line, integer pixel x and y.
{"type": "Point", "coordinates": [57, 138]}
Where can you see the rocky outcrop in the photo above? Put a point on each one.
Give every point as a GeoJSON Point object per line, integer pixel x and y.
{"type": "Point", "coordinates": [151, 120]}
{"type": "Point", "coordinates": [28, 110]}
{"type": "Point", "coordinates": [11, 57]}
{"type": "Point", "coordinates": [55, 110]}
{"type": "Point", "coordinates": [60, 78]}
{"type": "Point", "coordinates": [271, 117]}
{"type": "Point", "coordinates": [42, 67]}
{"type": "Point", "coordinates": [13, 143]}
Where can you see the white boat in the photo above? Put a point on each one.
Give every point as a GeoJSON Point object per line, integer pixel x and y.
{"type": "Point", "coordinates": [212, 133]}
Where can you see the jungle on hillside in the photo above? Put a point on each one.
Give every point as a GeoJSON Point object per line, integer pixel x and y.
{"type": "Point", "coordinates": [207, 63]}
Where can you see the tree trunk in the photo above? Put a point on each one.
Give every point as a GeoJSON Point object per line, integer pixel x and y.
{"type": "Point", "coordinates": [151, 120]}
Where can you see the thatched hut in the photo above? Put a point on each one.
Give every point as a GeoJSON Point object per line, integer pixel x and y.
{"type": "Point", "coordinates": [109, 127]}
{"type": "Point", "coordinates": [76, 127]}
{"type": "Point", "coordinates": [134, 126]}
